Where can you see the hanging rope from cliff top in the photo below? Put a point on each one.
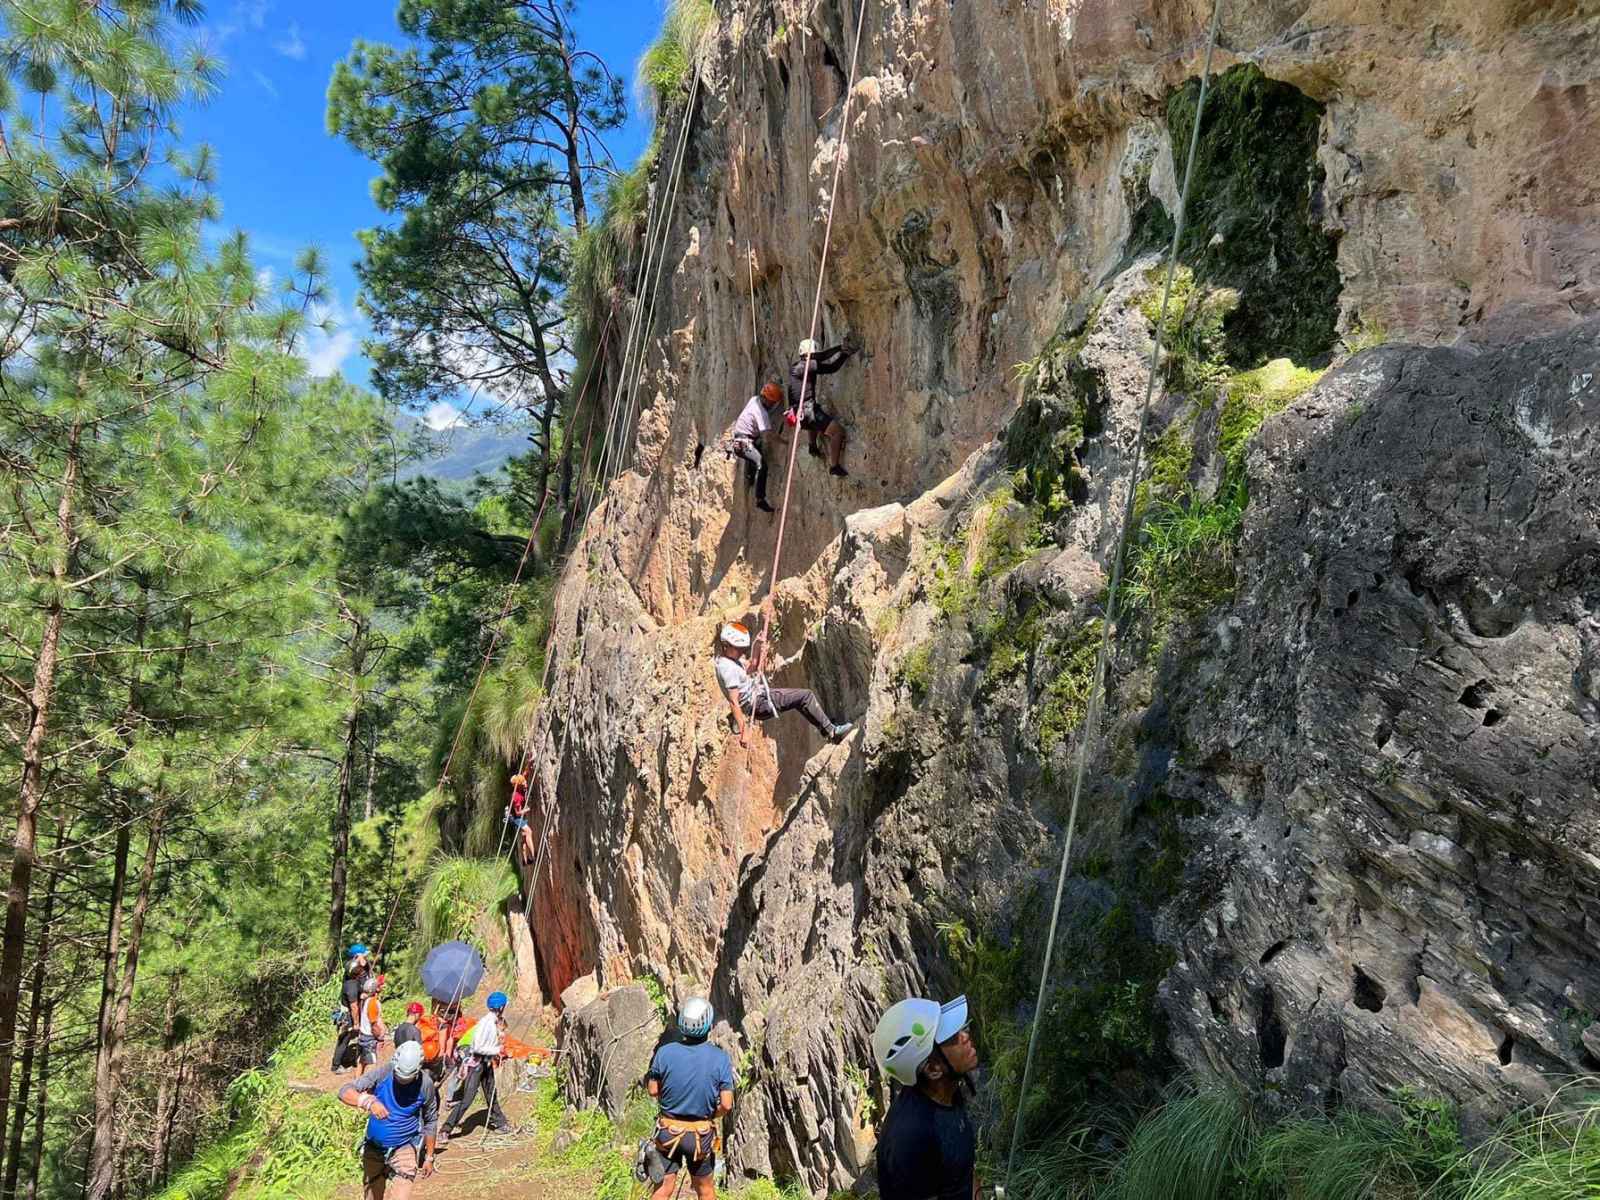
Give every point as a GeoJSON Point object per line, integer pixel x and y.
{"type": "Point", "coordinates": [816, 319]}
{"type": "Point", "coordinates": [494, 640]}
{"type": "Point", "coordinates": [1097, 697]}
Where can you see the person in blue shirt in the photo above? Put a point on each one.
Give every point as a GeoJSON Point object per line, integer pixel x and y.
{"type": "Point", "coordinates": [692, 1081]}
{"type": "Point", "coordinates": [402, 1110]}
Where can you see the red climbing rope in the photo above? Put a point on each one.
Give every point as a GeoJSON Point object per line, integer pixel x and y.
{"type": "Point", "coordinates": [816, 317]}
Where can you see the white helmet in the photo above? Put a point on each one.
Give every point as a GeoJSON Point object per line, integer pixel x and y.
{"type": "Point", "coordinates": [909, 1031]}
{"type": "Point", "coordinates": [407, 1061]}
{"type": "Point", "coordinates": [736, 635]}
{"type": "Point", "coordinates": [695, 1018]}
{"type": "Point", "coordinates": [808, 347]}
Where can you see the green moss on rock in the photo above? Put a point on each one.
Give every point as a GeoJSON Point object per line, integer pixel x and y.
{"type": "Point", "coordinates": [1253, 221]}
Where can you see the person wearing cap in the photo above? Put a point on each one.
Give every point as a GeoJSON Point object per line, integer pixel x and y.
{"type": "Point", "coordinates": [749, 694]}
{"type": "Point", "coordinates": [370, 1029]}
{"type": "Point", "coordinates": [355, 975]}
{"type": "Point", "coordinates": [487, 1039]}
{"type": "Point", "coordinates": [410, 1030]}
{"type": "Point", "coordinates": [928, 1147]}
{"type": "Point", "coordinates": [692, 1081]}
{"type": "Point", "coordinates": [814, 419]}
{"type": "Point", "coordinates": [402, 1107]}
{"type": "Point", "coordinates": [517, 815]}
{"type": "Point", "coordinates": [754, 423]}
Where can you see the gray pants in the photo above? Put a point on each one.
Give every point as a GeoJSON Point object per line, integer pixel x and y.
{"type": "Point", "coordinates": [769, 702]}
{"type": "Point", "coordinates": [755, 465]}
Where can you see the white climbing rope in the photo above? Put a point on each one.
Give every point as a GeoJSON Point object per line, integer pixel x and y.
{"type": "Point", "coordinates": [1097, 695]}
{"type": "Point", "coordinates": [816, 318]}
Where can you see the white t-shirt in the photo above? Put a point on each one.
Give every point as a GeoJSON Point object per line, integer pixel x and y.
{"type": "Point", "coordinates": [486, 1038]}
{"type": "Point", "coordinates": [753, 420]}
{"type": "Point", "coordinates": [731, 674]}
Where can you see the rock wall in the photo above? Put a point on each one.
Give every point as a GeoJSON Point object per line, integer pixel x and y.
{"type": "Point", "coordinates": [1345, 804]}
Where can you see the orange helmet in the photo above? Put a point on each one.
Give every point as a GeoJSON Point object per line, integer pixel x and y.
{"type": "Point", "coordinates": [772, 393]}
{"type": "Point", "coordinates": [519, 779]}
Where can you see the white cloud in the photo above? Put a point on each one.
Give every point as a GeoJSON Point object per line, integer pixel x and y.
{"type": "Point", "coordinates": [267, 85]}
{"type": "Point", "coordinates": [327, 350]}
{"type": "Point", "coordinates": [291, 45]}
{"type": "Point", "coordinates": [326, 353]}
{"type": "Point", "coordinates": [443, 416]}
{"type": "Point", "coordinates": [244, 15]}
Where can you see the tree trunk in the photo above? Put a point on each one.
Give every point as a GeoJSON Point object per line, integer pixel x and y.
{"type": "Point", "coordinates": [372, 768]}
{"type": "Point", "coordinates": [104, 1156]}
{"type": "Point", "coordinates": [13, 1167]}
{"type": "Point", "coordinates": [104, 1131]}
{"type": "Point", "coordinates": [31, 790]}
{"type": "Point", "coordinates": [39, 1106]}
{"type": "Point", "coordinates": [341, 810]}
{"type": "Point", "coordinates": [167, 1094]}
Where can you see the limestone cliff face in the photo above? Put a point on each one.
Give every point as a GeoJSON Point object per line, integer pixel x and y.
{"type": "Point", "coordinates": [1346, 800]}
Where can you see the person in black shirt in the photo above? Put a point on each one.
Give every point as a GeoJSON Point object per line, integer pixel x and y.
{"type": "Point", "coordinates": [350, 998]}
{"type": "Point", "coordinates": [928, 1149]}
{"type": "Point", "coordinates": [813, 418]}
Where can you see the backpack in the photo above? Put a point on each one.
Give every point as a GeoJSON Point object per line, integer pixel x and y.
{"type": "Point", "coordinates": [432, 1037]}
{"type": "Point", "coordinates": [341, 1019]}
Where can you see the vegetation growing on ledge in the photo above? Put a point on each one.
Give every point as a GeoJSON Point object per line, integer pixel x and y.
{"type": "Point", "coordinates": [1056, 415]}
{"type": "Point", "coordinates": [1253, 223]}
{"type": "Point", "coordinates": [665, 69]}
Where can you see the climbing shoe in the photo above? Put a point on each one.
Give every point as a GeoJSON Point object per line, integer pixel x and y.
{"type": "Point", "coordinates": [764, 506]}
{"type": "Point", "coordinates": [840, 732]}
{"type": "Point", "coordinates": [839, 471]}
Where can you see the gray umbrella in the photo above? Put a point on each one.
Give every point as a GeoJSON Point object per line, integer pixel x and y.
{"type": "Point", "coordinates": [453, 971]}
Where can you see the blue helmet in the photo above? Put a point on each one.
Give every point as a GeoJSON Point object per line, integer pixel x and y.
{"type": "Point", "coordinates": [498, 1001]}
{"type": "Point", "coordinates": [696, 1017]}
{"type": "Point", "coordinates": [357, 948]}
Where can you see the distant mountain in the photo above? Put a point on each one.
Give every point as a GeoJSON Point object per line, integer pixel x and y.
{"type": "Point", "coordinates": [463, 452]}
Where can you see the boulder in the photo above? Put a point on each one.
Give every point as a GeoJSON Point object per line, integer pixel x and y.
{"type": "Point", "coordinates": [608, 1045]}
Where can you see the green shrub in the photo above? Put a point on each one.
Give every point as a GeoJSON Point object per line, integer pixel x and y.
{"type": "Point", "coordinates": [458, 893]}
{"type": "Point", "coordinates": [1196, 1146]}
{"type": "Point", "coordinates": [665, 68]}
{"type": "Point", "coordinates": [917, 671]}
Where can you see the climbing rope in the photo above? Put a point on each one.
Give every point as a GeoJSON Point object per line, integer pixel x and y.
{"type": "Point", "coordinates": [1097, 696]}
{"type": "Point", "coordinates": [816, 318]}
{"type": "Point", "coordinates": [494, 641]}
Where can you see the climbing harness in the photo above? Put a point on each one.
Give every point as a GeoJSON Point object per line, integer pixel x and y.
{"type": "Point", "coordinates": [1097, 695]}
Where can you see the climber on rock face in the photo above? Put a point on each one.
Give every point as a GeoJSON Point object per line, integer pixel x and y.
{"type": "Point", "coordinates": [692, 1080]}
{"type": "Point", "coordinates": [750, 696]}
{"type": "Point", "coordinates": [754, 423]}
{"type": "Point", "coordinates": [402, 1110]}
{"type": "Point", "coordinates": [517, 816]}
{"type": "Point", "coordinates": [815, 419]}
{"type": "Point", "coordinates": [928, 1149]}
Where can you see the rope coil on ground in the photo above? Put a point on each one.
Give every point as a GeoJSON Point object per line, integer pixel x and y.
{"type": "Point", "coordinates": [1097, 696]}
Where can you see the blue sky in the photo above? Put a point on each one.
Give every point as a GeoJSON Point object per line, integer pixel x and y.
{"type": "Point", "coordinates": [286, 182]}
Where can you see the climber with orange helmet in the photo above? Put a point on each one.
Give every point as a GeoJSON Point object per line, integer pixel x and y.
{"type": "Point", "coordinates": [749, 694]}
{"type": "Point", "coordinates": [517, 816]}
{"type": "Point", "coordinates": [814, 419]}
{"type": "Point", "coordinates": [753, 424]}
{"type": "Point", "coordinates": [928, 1148]}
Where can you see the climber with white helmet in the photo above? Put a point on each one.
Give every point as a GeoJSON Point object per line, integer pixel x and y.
{"type": "Point", "coordinates": [813, 418]}
{"type": "Point", "coordinates": [488, 1040]}
{"type": "Point", "coordinates": [402, 1110]}
{"type": "Point", "coordinates": [928, 1148]}
{"type": "Point", "coordinates": [692, 1081]}
{"type": "Point", "coordinates": [749, 694]}
{"type": "Point", "coordinates": [751, 427]}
